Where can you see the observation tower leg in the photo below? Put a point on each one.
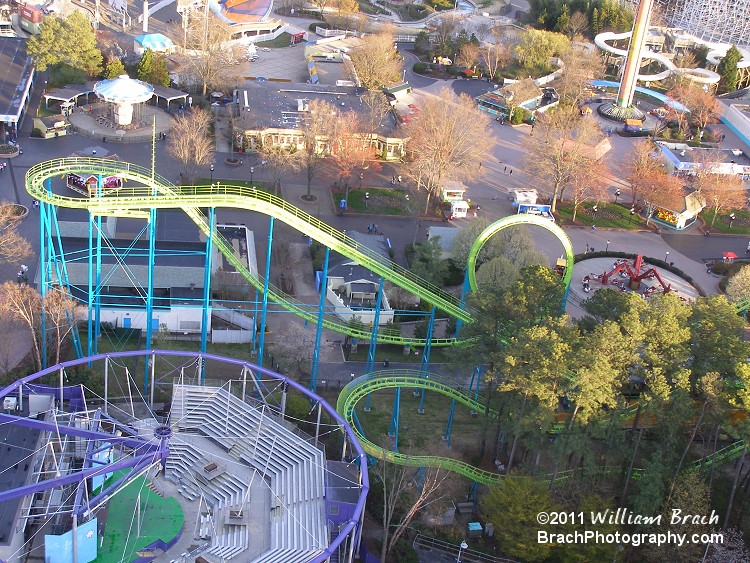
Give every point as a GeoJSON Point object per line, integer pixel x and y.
{"type": "Point", "coordinates": [264, 310]}
{"type": "Point", "coordinates": [370, 366]}
{"type": "Point", "coordinates": [424, 367]}
{"type": "Point", "coordinates": [91, 291]}
{"type": "Point", "coordinates": [319, 328]}
{"type": "Point", "coordinates": [207, 279]}
{"type": "Point", "coordinates": [150, 293]}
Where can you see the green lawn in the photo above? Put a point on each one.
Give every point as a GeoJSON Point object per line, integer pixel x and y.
{"type": "Point", "coordinates": [421, 434]}
{"type": "Point", "coordinates": [160, 519]}
{"type": "Point", "coordinates": [609, 215]}
{"type": "Point", "coordinates": [283, 40]}
{"type": "Point", "coordinates": [740, 226]}
{"type": "Point", "coordinates": [382, 201]}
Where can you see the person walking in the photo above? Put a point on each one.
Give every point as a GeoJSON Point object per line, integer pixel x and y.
{"type": "Point", "coordinates": [747, 250]}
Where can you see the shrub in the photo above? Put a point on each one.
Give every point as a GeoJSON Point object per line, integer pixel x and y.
{"type": "Point", "coordinates": [516, 117]}
{"type": "Point", "coordinates": [36, 132]}
{"type": "Point", "coordinates": [420, 68]}
{"type": "Point", "coordinates": [322, 25]}
{"type": "Point", "coordinates": [7, 149]}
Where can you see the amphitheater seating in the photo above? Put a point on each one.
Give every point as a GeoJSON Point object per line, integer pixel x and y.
{"type": "Point", "coordinates": [294, 469]}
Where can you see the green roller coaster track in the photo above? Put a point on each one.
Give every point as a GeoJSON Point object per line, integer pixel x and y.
{"type": "Point", "coordinates": [359, 388]}
{"type": "Point", "coordinates": [158, 192]}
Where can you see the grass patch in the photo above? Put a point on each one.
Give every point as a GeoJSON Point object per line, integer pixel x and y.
{"type": "Point", "coordinates": [609, 215]}
{"type": "Point", "coordinates": [370, 8]}
{"type": "Point", "coordinates": [261, 186]}
{"type": "Point", "coordinates": [283, 40]}
{"type": "Point", "coordinates": [382, 201]}
{"type": "Point", "coordinates": [421, 434]}
{"type": "Point", "coordinates": [740, 225]}
{"type": "Point", "coordinates": [44, 112]}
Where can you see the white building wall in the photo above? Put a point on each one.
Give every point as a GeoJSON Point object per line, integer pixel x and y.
{"type": "Point", "coordinates": [178, 319]}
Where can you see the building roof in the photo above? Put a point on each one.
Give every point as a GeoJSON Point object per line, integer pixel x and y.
{"type": "Point", "coordinates": [70, 92]}
{"type": "Point", "coordinates": [273, 106]}
{"type": "Point", "coordinates": [123, 89]}
{"type": "Point", "coordinates": [155, 41]}
{"type": "Point", "coordinates": [15, 466]}
{"type": "Point", "coordinates": [16, 73]}
{"type": "Point", "coordinates": [520, 92]}
{"type": "Point", "coordinates": [341, 266]}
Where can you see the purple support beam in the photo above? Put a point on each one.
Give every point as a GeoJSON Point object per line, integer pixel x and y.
{"type": "Point", "coordinates": [69, 430]}
{"type": "Point", "coordinates": [80, 475]}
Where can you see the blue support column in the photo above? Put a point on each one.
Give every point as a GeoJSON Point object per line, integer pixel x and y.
{"type": "Point", "coordinates": [91, 292]}
{"type": "Point", "coordinates": [207, 282]}
{"type": "Point", "coordinates": [150, 293]}
{"type": "Point", "coordinates": [319, 328]}
{"type": "Point", "coordinates": [420, 479]}
{"type": "Point", "coordinates": [44, 209]}
{"type": "Point", "coordinates": [424, 367]}
{"type": "Point", "coordinates": [254, 337]}
{"type": "Point", "coordinates": [98, 272]}
{"type": "Point", "coordinates": [393, 431]}
{"type": "Point", "coordinates": [464, 291]}
{"type": "Point", "coordinates": [476, 374]}
{"type": "Point", "coordinates": [370, 365]}
{"type": "Point", "coordinates": [449, 426]}
{"type": "Point", "coordinates": [262, 337]}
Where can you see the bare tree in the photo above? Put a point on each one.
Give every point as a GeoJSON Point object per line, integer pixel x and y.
{"type": "Point", "coordinates": [13, 247]}
{"type": "Point", "coordinates": [562, 146]}
{"type": "Point", "coordinates": [209, 55]}
{"type": "Point", "coordinates": [376, 108]}
{"type": "Point", "coordinates": [350, 147]}
{"type": "Point", "coordinates": [61, 312]}
{"type": "Point", "coordinates": [445, 29]}
{"type": "Point", "coordinates": [400, 492]}
{"type": "Point", "coordinates": [720, 191]}
{"type": "Point", "coordinates": [577, 24]}
{"type": "Point", "coordinates": [494, 57]}
{"type": "Point", "coordinates": [279, 159]}
{"type": "Point", "coordinates": [377, 61]}
{"type": "Point", "coordinates": [468, 55]}
{"type": "Point", "coordinates": [443, 142]}
{"type": "Point", "coordinates": [482, 31]}
{"type": "Point", "coordinates": [588, 183]}
{"type": "Point", "coordinates": [23, 304]}
{"type": "Point", "coordinates": [190, 142]}
{"type": "Point", "coordinates": [318, 126]}
{"type": "Point", "coordinates": [579, 67]}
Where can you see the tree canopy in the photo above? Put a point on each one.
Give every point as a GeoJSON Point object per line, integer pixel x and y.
{"type": "Point", "coordinates": [70, 40]}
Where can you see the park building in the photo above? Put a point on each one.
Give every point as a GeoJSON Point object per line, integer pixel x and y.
{"type": "Point", "coordinates": [270, 114]}
{"type": "Point", "coordinates": [121, 264]}
{"type": "Point", "coordinates": [248, 20]}
{"type": "Point", "coordinates": [682, 159]}
{"type": "Point", "coordinates": [353, 289]}
{"type": "Point", "coordinates": [16, 80]}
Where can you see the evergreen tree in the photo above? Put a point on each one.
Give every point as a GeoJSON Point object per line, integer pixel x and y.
{"type": "Point", "coordinates": [563, 20]}
{"type": "Point", "coordinates": [71, 41]}
{"type": "Point", "coordinates": [727, 69]}
{"type": "Point", "coordinates": [114, 68]}
{"type": "Point", "coordinates": [159, 72]}
{"type": "Point", "coordinates": [145, 67]}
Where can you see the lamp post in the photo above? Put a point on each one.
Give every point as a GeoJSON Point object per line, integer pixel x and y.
{"type": "Point", "coordinates": [463, 546]}
{"type": "Point", "coordinates": [666, 256]}
{"type": "Point", "coordinates": [252, 171]}
{"type": "Point", "coordinates": [212, 174]}
{"type": "Point", "coordinates": [607, 249]}
{"type": "Point", "coordinates": [732, 217]}
{"type": "Point", "coordinates": [617, 194]}
{"type": "Point", "coordinates": [632, 215]}
{"type": "Point", "coordinates": [367, 198]}
{"type": "Point", "coordinates": [594, 211]}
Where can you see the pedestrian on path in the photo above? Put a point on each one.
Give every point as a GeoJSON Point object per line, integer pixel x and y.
{"type": "Point", "coordinates": [748, 248]}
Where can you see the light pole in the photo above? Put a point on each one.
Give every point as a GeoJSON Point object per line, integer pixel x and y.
{"type": "Point", "coordinates": [607, 249]}
{"type": "Point", "coordinates": [463, 546]}
{"type": "Point", "coordinates": [666, 256]}
{"type": "Point", "coordinates": [367, 198]}
{"type": "Point", "coordinates": [632, 214]}
{"type": "Point", "coordinates": [252, 170]}
{"type": "Point", "coordinates": [212, 174]}
{"type": "Point", "coordinates": [617, 194]}
{"type": "Point", "coordinates": [732, 217]}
